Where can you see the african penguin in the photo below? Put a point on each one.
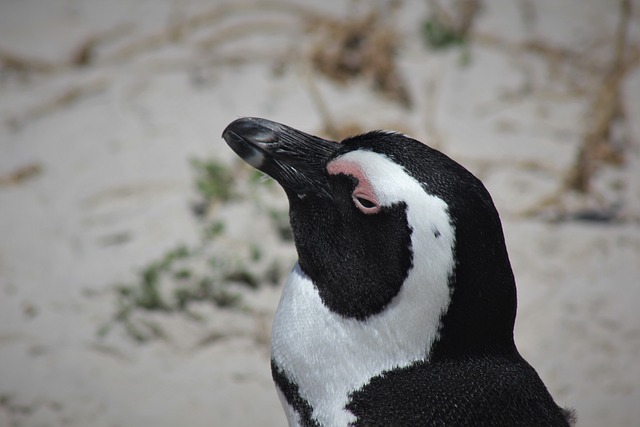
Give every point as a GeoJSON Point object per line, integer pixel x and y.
{"type": "Point", "coordinates": [401, 308]}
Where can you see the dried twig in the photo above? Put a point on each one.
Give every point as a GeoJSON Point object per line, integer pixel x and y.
{"type": "Point", "coordinates": [364, 46]}
{"type": "Point", "coordinates": [62, 99]}
{"type": "Point", "coordinates": [23, 65]}
{"type": "Point", "coordinates": [182, 28]}
{"type": "Point", "coordinates": [605, 108]}
{"type": "Point", "coordinates": [21, 174]}
{"type": "Point", "coordinates": [83, 54]}
{"type": "Point", "coordinates": [552, 53]}
{"type": "Point", "coordinates": [243, 29]}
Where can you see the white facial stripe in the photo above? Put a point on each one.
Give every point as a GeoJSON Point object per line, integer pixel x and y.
{"type": "Point", "coordinates": [389, 180]}
{"type": "Point", "coordinates": [330, 356]}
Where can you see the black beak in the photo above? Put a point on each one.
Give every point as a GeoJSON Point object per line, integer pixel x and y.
{"type": "Point", "coordinates": [295, 159]}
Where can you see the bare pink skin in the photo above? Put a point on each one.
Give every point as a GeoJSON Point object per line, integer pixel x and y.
{"type": "Point", "coordinates": [362, 191]}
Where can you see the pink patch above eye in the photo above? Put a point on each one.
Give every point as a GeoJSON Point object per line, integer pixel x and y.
{"type": "Point", "coordinates": [363, 195]}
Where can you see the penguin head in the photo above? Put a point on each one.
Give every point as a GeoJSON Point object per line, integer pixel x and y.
{"type": "Point", "coordinates": [378, 213]}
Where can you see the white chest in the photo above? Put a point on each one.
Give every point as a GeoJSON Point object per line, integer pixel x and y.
{"type": "Point", "coordinates": [329, 356]}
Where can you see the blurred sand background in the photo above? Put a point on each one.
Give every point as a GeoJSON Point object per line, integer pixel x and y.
{"type": "Point", "coordinates": [104, 105]}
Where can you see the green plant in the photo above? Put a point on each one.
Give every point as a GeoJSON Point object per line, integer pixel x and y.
{"type": "Point", "coordinates": [213, 181]}
{"type": "Point", "coordinates": [440, 36]}
{"type": "Point", "coordinates": [204, 272]}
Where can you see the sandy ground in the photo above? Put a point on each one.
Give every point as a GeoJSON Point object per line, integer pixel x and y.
{"type": "Point", "coordinates": [106, 188]}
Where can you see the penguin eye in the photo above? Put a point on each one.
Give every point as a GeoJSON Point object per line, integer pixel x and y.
{"type": "Point", "coordinates": [366, 205]}
{"type": "Point", "coordinates": [364, 198]}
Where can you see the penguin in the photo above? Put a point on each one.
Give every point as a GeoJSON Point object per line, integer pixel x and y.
{"type": "Point", "coordinates": [401, 308]}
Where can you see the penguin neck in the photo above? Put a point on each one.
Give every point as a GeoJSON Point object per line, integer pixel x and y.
{"type": "Point", "coordinates": [481, 316]}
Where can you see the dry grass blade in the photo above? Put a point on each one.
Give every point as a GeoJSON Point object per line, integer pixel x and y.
{"type": "Point", "coordinates": [215, 15]}
{"type": "Point", "coordinates": [21, 174]}
{"type": "Point", "coordinates": [66, 97]}
{"type": "Point", "coordinates": [360, 47]}
{"type": "Point", "coordinates": [604, 110]}
{"type": "Point", "coordinates": [600, 143]}
{"type": "Point", "coordinates": [22, 65]}
{"type": "Point", "coordinates": [83, 54]}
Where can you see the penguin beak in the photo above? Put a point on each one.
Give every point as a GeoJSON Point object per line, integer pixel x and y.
{"type": "Point", "coordinates": [295, 159]}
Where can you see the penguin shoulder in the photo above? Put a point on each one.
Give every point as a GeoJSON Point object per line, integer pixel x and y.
{"type": "Point", "coordinates": [480, 391]}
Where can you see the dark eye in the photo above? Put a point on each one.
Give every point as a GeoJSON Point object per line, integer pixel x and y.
{"type": "Point", "coordinates": [368, 204]}
{"type": "Point", "coordinates": [365, 204]}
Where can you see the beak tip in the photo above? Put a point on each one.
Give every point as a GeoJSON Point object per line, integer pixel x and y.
{"type": "Point", "coordinates": [254, 130]}
{"type": "Point", "coordinates": [291, 157]}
